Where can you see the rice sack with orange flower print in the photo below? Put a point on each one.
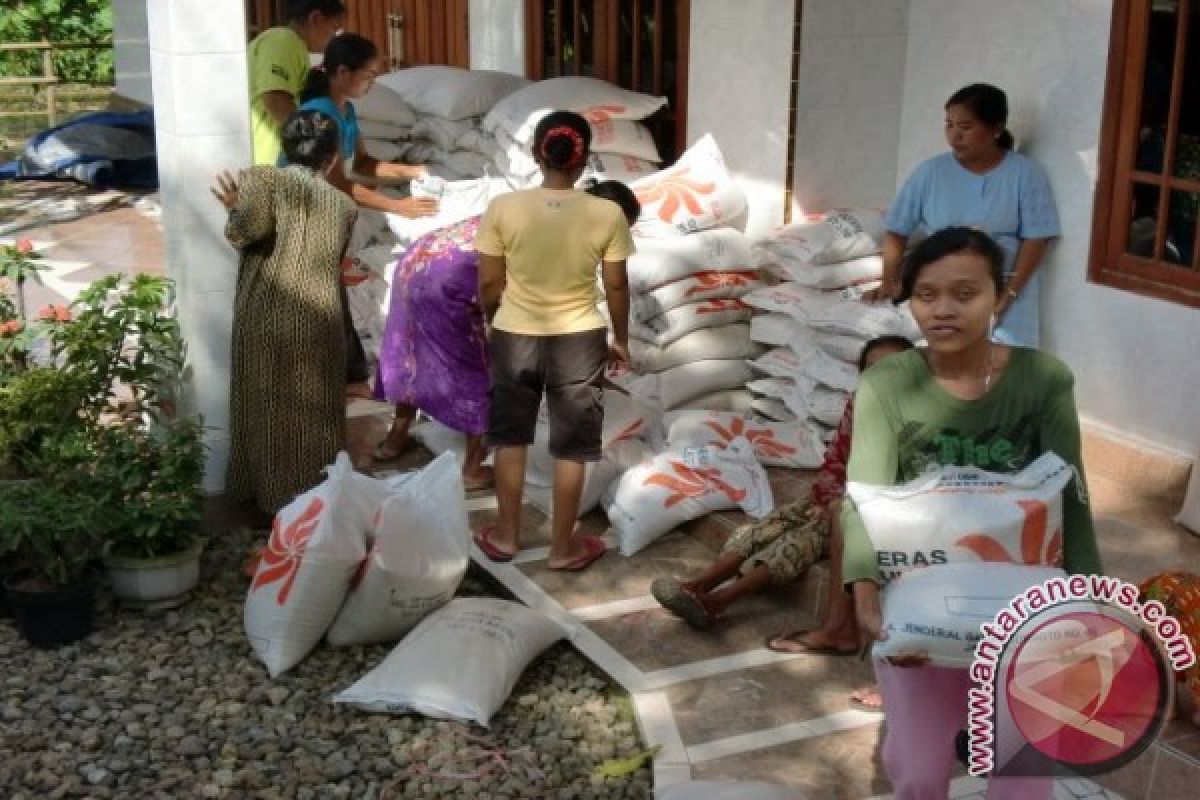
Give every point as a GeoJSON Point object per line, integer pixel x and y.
{"type": "Point", "coordinates": [956, 545]}
{"type": "Point", "coordinates": [317, 543]}
{"type": "Point", "coordinates": [695, 194]}
{"type": "Point", "coordinates": [776, 444]}
{"type": "Point", "coordinates": [667, 490]}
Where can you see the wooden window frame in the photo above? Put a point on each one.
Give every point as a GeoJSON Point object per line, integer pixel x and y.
{"type": "Point", "coordinates": [1109, 264]}
{"type": "Point", "coordinates": [606, 66]}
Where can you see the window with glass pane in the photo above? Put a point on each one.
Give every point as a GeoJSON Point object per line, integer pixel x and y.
{"type": "Point", "coordinates": [1146, 236]}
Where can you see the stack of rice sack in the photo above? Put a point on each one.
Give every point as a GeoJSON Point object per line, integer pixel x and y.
{"type": "Point", "coordinates": [814, 320]}
{"type": "Point", "coordinates": [385, 122]}
{"type": "Point", "coordinates": [622, 147]}
{"type": "Point", "coordinates": [449, 103]}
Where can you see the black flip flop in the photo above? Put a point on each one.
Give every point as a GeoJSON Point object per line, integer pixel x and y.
{"type": "Point", "coordinates": [679, 601]}
{"type": "Point", "coordinates": [800, 648]}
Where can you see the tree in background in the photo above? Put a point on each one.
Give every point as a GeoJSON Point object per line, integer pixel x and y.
{"type": "Point", "coordinates": [59, 21]}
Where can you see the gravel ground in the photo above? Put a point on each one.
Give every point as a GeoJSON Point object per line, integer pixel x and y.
{"type": "Point", "coordinates": [173, 705]}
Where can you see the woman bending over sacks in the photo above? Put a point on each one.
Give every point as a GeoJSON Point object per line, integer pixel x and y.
{"type": "Point", "coordinates": [916, 411]}
{"type": "Point", "coordinates": [777, 549]}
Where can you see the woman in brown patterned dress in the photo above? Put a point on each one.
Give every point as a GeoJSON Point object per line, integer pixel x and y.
{"type": "Point", "coordinates": [287, 410]}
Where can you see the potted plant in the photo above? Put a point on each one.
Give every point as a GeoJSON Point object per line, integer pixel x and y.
{"type": "Point", "coordinates": [54, 536]}
{"type": "Point", "coordinates": [87, 407]}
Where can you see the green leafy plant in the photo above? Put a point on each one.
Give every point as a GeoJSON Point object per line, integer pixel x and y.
{"type": "Point", "coordinates": [18, 263]}
{"type": "Point", "coordinates": [50, 535]}
{"type": "Point", "coordinates": [59, 21]}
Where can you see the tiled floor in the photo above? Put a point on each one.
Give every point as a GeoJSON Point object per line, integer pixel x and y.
{"type": "Point", "coordinates": [722, 706]}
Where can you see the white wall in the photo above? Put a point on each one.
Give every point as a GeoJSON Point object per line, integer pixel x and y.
{"type": "Point", "coordinates": [1134, 358]}
{"type": "Point", "coordinates": [497, 35]}
{"type": "Point", "coordinates": [131, 50]}
{"type": "Point", "coordinates": [199, 132]}
{"type": "Point", "coordinates": [739, 71]}
{"type": "Point", "coordinates": [848, 98]}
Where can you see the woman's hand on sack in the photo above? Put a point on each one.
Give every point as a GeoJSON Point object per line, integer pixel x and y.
{"type": "Point", "coordinates": [618, 356]}
{"type": "Point", "coordinates": [226, 190]}
{"type": "Point", "coordinates": [416, 207]}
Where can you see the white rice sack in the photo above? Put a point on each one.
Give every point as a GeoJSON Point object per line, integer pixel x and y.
{"type": "Point", "coordinates": [686, 382]}
{"type": "Point", "coordinates": [843, 347]}
{"type": "Point", "coordinates": [774, 410]}
{"type": "Point", "coordinates": [825, 369]}
{"type": "Point", "coordinates": [468, 163]}
{"type": "Point", "coordinates": [695, 194]}
{"type": "Point", "coordinates": [798, 302]}
{"type": "Point", "coordinates": [723, 341]}
{"type": "Point", "coordinates": [658, 495]}
{"type": "Point", "coordinates": [419, 152]}
{"type": "Point", "coordinates": [781, 330]}
{"type": "Point", "coordinates": [821, 403]}
{"type": "Point", "coordinates": [672, 326]}
{"type": "Point", "coordinates": [838, 236]}
{"type": "Point", "coordinates": [729, 790]}
{"type": "Point", "coordinates": [866, 321]}
{"type": "Point", "coordinates": [317, 543]}
{"type": "Point", "coordinates": [964, 514]}
{"type": "Point", "coordinates": [457, 200]}
{"type": "Point", "coordinates": [775, 444]}
{"type": "Point", "coordinates": [366, 297]}
{"type": "Point", "coordinates": [441, 132]}
{"type": "Point", "coordinates": [439, 439]}
{"type": "Point", "coordinates": [782, 362]}
{"type": "Point", "coordinates": [451, 92]}
{"type": "Point", "coordinates": [845, 274]}
{"type": "Point", "coordinates": [381, 104]}
{"type": "Point", "coordinates": [380, 129]}
{"type": "Point", "coordinates": [771, 387]}
{"type": "Point", "coordinates": [936, 612]}
{"type": "Point", "coordinates": [598, 476]}
{"type": "Point", "coordinates": [382, 149]}
{"type": "Point", "coordinates": [625, 138]}
{"type": "Point", "coordinates": [477, 140]}
{"type": "Point", "coordinates": [421, 544]}
{"type": "Point", "coordinates": [739, 400]}
{"type": "Point", "coordinates": [614, 167]}
{"type": "Point", "coordinates": [694, 288]}
{"type": "Point", "coordinates": [597, 100]}
{"type": "Point", "coordinates": [461, 662]}
{"type": "Point", "coordinates": [659, 262]}
{"type": "Point", "coordinates": [1189, 515]}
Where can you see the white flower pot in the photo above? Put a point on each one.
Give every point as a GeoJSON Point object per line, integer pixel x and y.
{"type": "Point", "coordinates": [159, 582]}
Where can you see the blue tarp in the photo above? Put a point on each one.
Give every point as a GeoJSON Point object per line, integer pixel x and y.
{"type": "Point", "coordinates": [104, 149]}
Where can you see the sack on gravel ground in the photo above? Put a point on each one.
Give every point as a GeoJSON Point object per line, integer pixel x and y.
{"type": "Point", "coordinates": [420, 546]}
{"type": "Point", "coordinates": [461, 662]}
{"type": "Point", "coordinates": [662, 493]}
{"type": "Point", "coordinates": [964, 514]}
{"type": "Point", "coordinates": [317, 543]}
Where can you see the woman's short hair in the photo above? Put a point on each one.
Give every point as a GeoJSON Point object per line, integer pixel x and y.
{"type": "Point", "coordinates": [948, 242]}
{"type": "Point", "coordinates": [310, 139]}
{"type": "Point", "coordinates": [620, 194]}
{"type": "Point", "coordinates": [562, 141]}
{"type": "Point", "coordinates": [989, 105]}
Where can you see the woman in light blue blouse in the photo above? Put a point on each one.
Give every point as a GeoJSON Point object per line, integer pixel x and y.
{"type": "Point", "coordinates": [980, 183]}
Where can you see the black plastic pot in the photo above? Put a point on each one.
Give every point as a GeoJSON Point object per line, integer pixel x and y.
{"type": "Point", "coordinates": [52, 617]}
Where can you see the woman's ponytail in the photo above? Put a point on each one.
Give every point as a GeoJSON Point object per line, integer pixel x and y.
{"type": "Point", "coordinates": [316, 84]}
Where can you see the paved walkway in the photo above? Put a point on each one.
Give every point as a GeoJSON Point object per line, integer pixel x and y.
{"type": "Point", "coordinates": [719, 704]}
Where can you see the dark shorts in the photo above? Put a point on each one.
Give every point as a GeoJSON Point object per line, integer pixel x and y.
{"type": "Point", "coordinates": [569, 369]}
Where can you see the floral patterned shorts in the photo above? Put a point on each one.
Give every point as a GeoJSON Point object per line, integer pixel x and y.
{"type": "Point", "coordinates": [788, 541]}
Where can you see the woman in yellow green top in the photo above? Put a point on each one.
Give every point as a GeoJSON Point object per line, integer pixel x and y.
{"type": "Point", "coordinates": [962, 400]}
{"type": "Point", "coordinates": [538, 251]}
{"type": "Point", "coordinates": [278, 64]}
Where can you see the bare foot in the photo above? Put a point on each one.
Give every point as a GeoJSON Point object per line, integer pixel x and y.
{"type": "Point", "coordinates": [392, 447]}
{"type": "Point", "coordinates": [480, 478]}
{"type": "Point", "coordinates": [358, 391]}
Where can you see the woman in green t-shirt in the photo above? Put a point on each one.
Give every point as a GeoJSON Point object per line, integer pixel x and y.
{"type": "Point", "coordinates": [962, 400]}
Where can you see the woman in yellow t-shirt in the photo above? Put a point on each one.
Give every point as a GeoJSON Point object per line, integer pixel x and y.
{"type": "Point", "coordinates": [538, 251]}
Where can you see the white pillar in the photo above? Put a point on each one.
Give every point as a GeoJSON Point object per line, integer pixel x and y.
{"type": "Point", "coordinates": [198, 59]}
{"type": "Point", "coordinates": [131, 50]}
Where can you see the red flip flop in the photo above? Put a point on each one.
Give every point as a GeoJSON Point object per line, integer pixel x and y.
{"type": "Point", "coordinates": [594, 548]}
{"type": "Point", "coordinates": [483, 540]}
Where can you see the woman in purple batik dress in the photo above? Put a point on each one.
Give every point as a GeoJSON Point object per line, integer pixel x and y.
{"type": "Point", "coordinates": [434, 353]}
